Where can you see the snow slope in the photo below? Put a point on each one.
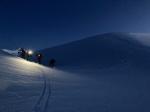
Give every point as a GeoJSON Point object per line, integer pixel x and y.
{"type": "Point", "coordinates": [29, 87]}
{"type": "Point", "coordinates": [118, 86]}
{"type": "Point", "coordinates": [101, 51]}
{"type": "Point", "coordinates": [20, 83]}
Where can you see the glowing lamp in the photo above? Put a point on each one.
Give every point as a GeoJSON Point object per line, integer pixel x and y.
{"type": "Point", "coordinates": [30, 52]}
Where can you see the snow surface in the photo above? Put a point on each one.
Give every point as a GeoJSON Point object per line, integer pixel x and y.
{"type": "Point", "coordinates": [12, 52]}
{"type": "Point", "coordinates": [144, 38]}
{"type": "Point", "coordinates": [123, 86]}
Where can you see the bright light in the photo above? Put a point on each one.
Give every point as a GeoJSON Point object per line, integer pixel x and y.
{"type": "Point", "coordinates": [30, 52]}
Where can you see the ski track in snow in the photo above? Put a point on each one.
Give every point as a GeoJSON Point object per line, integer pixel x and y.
{"type": "Point", "coordinates": [43, 101]}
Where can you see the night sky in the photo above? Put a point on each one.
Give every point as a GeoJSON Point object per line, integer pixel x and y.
{"type": "Point", "coordinates": [40, 24]}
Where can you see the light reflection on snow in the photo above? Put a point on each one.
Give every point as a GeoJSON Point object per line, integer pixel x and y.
{"type": "Point", "coordinates": [143, 38]}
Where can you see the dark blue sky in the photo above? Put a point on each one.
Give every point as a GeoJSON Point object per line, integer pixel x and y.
{"type": "Point", "coordinates": [39, 24]}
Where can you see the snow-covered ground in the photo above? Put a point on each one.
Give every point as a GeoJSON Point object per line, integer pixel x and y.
{"type": "Point", "coordinates": [120, 87]}
{"type": "Point", "coordinates": [29, 87]}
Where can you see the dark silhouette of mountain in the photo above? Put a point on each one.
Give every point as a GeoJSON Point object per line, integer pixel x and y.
{"type": "Point", "coordinates": [104, 50]}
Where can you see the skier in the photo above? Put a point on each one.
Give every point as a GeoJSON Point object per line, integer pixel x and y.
{"type": "Point", "coordinates": [22, 53]}
{"type": "Point", "coordinates": [39, 57]}
{"type": "Point", "coordinates": [52, 63]}
{"type": "Point", "coordinates": [29, 54]}
{"type": "Point", "coordinates": [19, 52]}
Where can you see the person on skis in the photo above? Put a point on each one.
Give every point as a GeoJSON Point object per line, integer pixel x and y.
{"type": "Point", "coordinates": [39, 58]}
{"type": "Point", "coordinates": [22, 53]}
{"type": "Point", "coordinates": [29, 54]}
{"type": "Point", "coordinates": [52, 63]}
